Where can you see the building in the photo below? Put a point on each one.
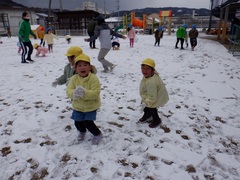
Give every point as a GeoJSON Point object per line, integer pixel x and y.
{"type": "Point", "coordinates": [74, 22]}
{"type": "Point", "coordinates": [10, 17]}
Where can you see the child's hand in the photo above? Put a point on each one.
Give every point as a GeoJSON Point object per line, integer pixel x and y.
{"type": "Point", "coordinates": [78, 92]}
{"type": "Point", "coordinates": [142, 106]}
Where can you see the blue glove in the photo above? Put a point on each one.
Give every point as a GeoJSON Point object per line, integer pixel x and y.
{"type": "Point", "coordinates": [79, 92]}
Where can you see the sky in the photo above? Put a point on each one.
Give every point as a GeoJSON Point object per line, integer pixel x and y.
{"type": "Point", "coordinates": [112, 5]}
{"type": "Point", "coordinates": [198, 139]}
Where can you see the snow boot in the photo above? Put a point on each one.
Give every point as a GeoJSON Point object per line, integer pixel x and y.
{"type": "Point", "coordinates": [155, 123]}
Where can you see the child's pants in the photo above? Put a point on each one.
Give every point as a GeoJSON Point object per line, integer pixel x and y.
{"type": "Point", "coordinates": [131, 42]}
{"type": "Point", "coordinates": [83, 126]}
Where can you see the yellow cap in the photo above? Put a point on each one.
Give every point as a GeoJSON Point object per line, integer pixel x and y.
{"type": "Point", "coordinates": [35, 45]}
{"type": "Point", "coordinates": [149, 62]}
{"type": "Point", "coordinates": [74, 51]}
{"type": "Point", "coordinates": [82, 57]}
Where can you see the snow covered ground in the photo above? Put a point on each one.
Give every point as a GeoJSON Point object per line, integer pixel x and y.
{"type": "Point", "coordinates": [200, 133]}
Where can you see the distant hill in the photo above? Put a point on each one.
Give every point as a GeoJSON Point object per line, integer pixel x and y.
{"type": "Point", "coordinates": [175, 10]}
{"type": "Point", "coordinates": [10, 4]}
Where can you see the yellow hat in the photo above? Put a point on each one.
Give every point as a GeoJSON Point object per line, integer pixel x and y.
{"type": "Point", "coordinates": [86, 58]}
{"type": "Point", "coordinates": [35, 45]}
{"type": "Point", "coordinates": [149, 62]}
{"type": "Point", "coordinates": [82, 57]}
{"type": "Point", "coordinates": [74, 51]}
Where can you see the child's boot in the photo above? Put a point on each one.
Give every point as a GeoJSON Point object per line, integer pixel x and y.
{"type": "Point", "coordinates": [155, 123]}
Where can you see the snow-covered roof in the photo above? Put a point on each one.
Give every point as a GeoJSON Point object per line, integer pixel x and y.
{"type": "Point", "coordinates": [113, 19]}
{"type": "Point", "coordinates": [33, 27]}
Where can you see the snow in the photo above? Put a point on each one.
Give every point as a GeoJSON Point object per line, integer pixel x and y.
{"type": "Point", "coordinates": [199, 137]}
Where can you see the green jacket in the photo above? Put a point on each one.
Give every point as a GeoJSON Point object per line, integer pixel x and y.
{"type": "Point", "coordinates": [24, 31]}
{"type": "Point", "coordinates": [181, 32]}
{"type": "Point", "coordinates": [91, 101]}
{"type": "Point", "coordinates": [153, 91]}
{"type": "Point", "coordinates": [68, 72]}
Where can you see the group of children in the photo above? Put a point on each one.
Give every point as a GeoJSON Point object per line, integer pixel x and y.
{"type": "Point", "coordinates": [83, 88]}
{"type": "Point", "coordinates": [49, 39]}
{"type": "Point", "coordinates": [182, 36]}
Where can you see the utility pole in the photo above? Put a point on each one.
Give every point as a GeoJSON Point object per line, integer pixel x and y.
{"type": "Point", "coordinates": [60, 1]}
{"type": "Point", "coordinates": [118, 6]}
{"type": "Point", "coordinates": [210, 18]}
{"type": "Point", "coordinates": [49, 13]}
{"type": "Point", "coordinates": [104, 9]}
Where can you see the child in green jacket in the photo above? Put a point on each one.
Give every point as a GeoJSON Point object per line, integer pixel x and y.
{"type": "Point", "coordinates": [181, 35]}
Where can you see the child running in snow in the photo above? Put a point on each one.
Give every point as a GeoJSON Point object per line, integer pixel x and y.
{"type": "Point", "coordinates": [193, 34]}
{"type": "Point", "coordinates": [40, 50]}
{"type": "Point", "coordinates": [158, 36]}
{"type": "Point", "coordinates": [131, 34]}
{"type": "Point", "coordinates": [49, 39]}
{"type": "Point", "coordinates": [19, 47]}
{"type": "Point", "coordinates": [84, 90]}
{"type": "Point", "coordinates": [69, 69]}
{"type": "Point", "coordinates": [153, 93]}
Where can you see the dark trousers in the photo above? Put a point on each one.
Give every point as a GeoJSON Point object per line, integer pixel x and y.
{"type": "Point", "coordinates": [115, 44]}
{"type": "Point", "coordinates": [157, 41]}
{"type": "Point", "coordinates": [92, 43]}
{"type": "Point", "coordinates": [42, 42]}
{"type": "Point", "coordinates": [193, 42]}
{"type": "Point", "coordinates": [181, 41]}
{"type": "Point", "coordinates": [83, 126]}
{"type": "Point", "coordinates": [151, 112]}
{"type": "Point", "coordinates": [25, 51]}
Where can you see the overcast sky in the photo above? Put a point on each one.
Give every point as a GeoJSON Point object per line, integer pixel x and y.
{"type": "Point", "coordinates": [111, 5]}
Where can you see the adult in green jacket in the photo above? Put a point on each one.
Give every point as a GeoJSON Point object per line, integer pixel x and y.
{"type": "Point", "coordinates": [23, 34]}
{"type": "Point", "coordinates": [181, 35]}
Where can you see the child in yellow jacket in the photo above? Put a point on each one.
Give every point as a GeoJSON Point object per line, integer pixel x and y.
{"type": "Point", "coordinates": [84, 90]}
{"type": "Point", "coordinates": [49, 39]}
{"type": "Point", "coordinates": [153, 93]}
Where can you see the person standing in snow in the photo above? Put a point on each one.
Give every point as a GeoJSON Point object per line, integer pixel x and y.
{"type": "Point", "coordinates": [90, 31]}
{"type": "Point", "coordinates": [181, 35]}
{"type": "Point", "coordinates": [69, 69]}
{"type": "Point", "coordinates": [105, 33]}
{"type": "Point", "coordinates": [131, 34]}
{"type": "Point", "coordinates": [193, 34]}
{"type": "Point", "coordinates": [153, 93]}
{"type": "Point", "coordinates": [84, 90]}
{"type": "Point", "coordinates": [49, 39]}
{"type": "Point", "coordinates": [41, 33]}
{"type": "Point", "coordinates": [23, 35]}
{"type": "Point", "coordinates": [158, 36]}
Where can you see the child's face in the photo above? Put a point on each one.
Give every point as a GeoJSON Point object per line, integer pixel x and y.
{"type": "Point", "coordinates": [83, 68]}
{"type": "Point", "coordinates": [147, 71]}
{"type": "Point", "coordinates": [71, 60]}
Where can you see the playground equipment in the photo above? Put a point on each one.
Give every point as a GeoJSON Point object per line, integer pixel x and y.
{"type": "Point", "coordinates": [134, 21]}
{"type": "Point", "coordinates": [163, 15]}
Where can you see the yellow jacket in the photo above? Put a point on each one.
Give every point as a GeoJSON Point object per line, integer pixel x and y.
{"type": "Point", "coordinates": [91, 101]}
{"type": "Point", "coordinates": [153, 91]}
{"type": "Point", "coordinates": [49, 38]}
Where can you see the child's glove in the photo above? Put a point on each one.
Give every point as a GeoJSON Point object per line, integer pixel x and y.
{"type": "Point", "coordinates": [55, 83]}
{"type": "Point", "coordinates": [142, 106]}
{"type": "Point", "coordinates": [78, 92]}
